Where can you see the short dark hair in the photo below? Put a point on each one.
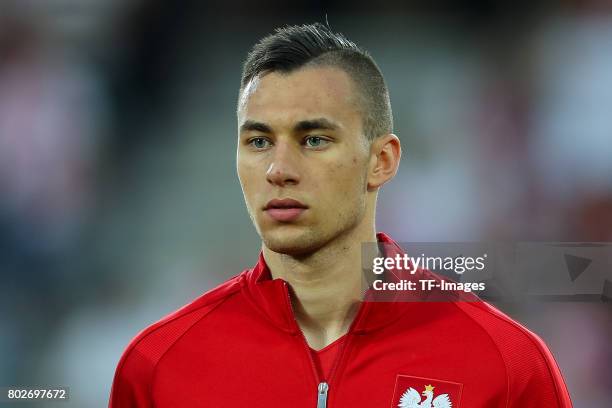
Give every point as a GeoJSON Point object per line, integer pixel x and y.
{"type": "Point", "coordinates": [294, 47]}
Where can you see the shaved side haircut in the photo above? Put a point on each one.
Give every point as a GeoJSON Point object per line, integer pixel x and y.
{"type": "Point", "coordinates": [315, 45]}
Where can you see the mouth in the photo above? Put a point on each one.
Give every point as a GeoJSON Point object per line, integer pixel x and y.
{"type": "Point", "coordinates": [284, 210]}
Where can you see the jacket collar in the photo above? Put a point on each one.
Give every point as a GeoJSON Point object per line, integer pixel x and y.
{"type": "Point", "coordinates": [271, 296]}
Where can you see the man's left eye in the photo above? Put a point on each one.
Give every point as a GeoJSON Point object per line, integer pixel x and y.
{"type": "Point", "coordinates": [316, 141]}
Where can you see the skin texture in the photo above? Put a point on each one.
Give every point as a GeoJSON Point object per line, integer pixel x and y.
{"type": "Point", "coordinates": [331, 169]}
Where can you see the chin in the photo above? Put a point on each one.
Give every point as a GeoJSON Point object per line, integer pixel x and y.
{"type": "Point", "coordinates": [292, 243]}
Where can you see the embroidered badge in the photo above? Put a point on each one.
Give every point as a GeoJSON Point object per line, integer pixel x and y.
{"type": "Point", "coordinates": [418, 392]}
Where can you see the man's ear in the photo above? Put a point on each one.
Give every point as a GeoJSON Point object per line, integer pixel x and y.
{"type": "Point", "coordinates": [385, 154]}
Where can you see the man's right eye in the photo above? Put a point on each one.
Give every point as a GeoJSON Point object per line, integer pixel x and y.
{"type": "Point", "coordinates": [259, 142]}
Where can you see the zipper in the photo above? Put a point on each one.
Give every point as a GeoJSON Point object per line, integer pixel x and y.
{"type": "Point", "coordinates": [323, 386]}
{"type": "Point", "coordinates": [322, 396]}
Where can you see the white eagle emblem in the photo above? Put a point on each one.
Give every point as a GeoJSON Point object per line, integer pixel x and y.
{"type": "Point", "coordinates": [412, 399]}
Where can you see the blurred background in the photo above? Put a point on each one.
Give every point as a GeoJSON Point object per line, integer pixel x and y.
{"type": "Point", "coordinates": [119, 200]}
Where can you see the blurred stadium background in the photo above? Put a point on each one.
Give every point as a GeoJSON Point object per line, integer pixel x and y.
{"type": "Point", "coordinates": [118, 195]}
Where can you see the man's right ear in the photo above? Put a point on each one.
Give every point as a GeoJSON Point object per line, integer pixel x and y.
{"type": "Point", "coordinates": [385, 155]}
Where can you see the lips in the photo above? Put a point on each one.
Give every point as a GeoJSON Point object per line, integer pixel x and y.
{"type": "Point", "coordinates": [284, 210]}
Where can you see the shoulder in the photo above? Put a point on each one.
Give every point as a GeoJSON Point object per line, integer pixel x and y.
{"type": "Point", "coordinates": [166, 330]}
{"type": "Point", "coordinates": [531, 370]}
{"type": "Point", "coordinates": [137, 364]}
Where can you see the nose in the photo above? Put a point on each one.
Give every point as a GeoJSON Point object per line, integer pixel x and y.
{"type": "Point", "coordinates": [282, 170]}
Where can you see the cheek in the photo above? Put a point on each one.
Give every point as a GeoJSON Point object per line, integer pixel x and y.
{"type": "Point", "coordinates": [248, 180]}
{"type": "Point", "coordinates": [354, 170]}
{"type": "Point", "coordinates": [247, 166]}
{"type": "Point", "coordinates": [347, 181]}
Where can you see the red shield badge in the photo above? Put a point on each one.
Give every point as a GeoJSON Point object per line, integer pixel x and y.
{"type": "Point", "coordinates": [415, 392]}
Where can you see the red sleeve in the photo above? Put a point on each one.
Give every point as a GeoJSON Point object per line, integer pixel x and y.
{"type": "Point", "coordinates": [133, 382]}
{"type": "Point", "coordinates": [532, 376]}
{"type": "Point", "coordinates": [131, 385]}
{"type": "Point", "coordinates": [539, 382]}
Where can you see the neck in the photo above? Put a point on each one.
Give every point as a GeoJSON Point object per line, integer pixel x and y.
{"type": "Point", "coordinates": [327, 285]}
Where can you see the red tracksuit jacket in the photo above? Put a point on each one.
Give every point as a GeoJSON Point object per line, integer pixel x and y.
{"type": "Point", "coordinates": [239, 345]}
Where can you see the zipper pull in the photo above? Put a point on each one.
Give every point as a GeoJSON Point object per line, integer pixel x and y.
{"type": "Point", "coordinates": [322, 395]}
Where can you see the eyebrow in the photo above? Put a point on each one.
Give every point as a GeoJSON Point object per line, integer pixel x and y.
{"type": "Point", "coordinates": [251, 125]}
{"type": "Point", "coordinates": [301, 126]}
{"type": "Point", "coordinates": [315, 124]}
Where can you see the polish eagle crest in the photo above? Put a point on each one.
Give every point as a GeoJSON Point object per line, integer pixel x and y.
{"type": "Point", "coordinates": [412, 399]}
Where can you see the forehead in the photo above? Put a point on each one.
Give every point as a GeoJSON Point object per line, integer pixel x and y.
{"type": "Point", "coordinates": [308, 92]}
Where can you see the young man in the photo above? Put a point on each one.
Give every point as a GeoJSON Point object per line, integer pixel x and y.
{"type": "Point", "coordinates": [315, 144]}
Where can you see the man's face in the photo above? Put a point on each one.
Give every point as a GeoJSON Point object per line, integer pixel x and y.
{"type": "Point", "coordinates": [302, 158]}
